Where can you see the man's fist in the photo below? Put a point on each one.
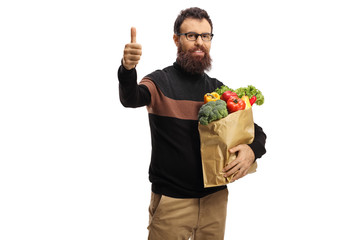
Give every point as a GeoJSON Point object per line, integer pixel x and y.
{"type": "Point", "coordinates": [132, 52]}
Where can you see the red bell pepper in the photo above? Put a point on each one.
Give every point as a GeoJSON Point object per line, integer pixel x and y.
{"type": "Point", "coordinates": [252, 100]}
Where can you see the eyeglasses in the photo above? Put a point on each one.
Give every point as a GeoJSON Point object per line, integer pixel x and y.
{"type": "Point", "coordinates": [192, 36]}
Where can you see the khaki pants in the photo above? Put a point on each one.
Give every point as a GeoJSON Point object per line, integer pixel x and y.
{"type": "Point", "coordinates": [179, 219]}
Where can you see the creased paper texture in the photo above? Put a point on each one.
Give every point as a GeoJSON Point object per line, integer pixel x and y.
{"type": "Point", "coordinates": [216, 140]}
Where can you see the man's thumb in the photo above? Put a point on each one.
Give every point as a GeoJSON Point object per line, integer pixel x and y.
{"type": "Point", "coordinates": [133, 35]}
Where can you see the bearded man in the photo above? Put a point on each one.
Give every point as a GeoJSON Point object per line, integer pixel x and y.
{"type": "Point", "coordinates": [180, 206]}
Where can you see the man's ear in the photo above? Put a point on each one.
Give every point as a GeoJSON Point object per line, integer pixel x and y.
{"type": "Point", "coordinates": [176, 40]}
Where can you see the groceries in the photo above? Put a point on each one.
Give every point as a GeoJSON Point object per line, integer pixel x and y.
{"type": "Point", "coordinates": [234, 100]}
{"type": "Point", "coordinates": [225, 121]}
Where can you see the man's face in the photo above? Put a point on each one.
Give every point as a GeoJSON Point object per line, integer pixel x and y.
{"type": "Point", "coordinates": [194, 56]}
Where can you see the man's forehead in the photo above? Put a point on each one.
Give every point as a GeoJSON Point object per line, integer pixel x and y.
{"type": "Point", "coordinates": [195, 25]}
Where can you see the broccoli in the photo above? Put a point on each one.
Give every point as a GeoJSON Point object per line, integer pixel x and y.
{"type": "Point", "coordinates": [212, 111]}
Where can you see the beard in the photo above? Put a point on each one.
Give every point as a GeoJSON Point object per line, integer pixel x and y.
{"type": "Point", "coordinates": [194, 64]}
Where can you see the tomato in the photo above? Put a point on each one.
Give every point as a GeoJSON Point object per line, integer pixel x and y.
{"type": "Point", "coordinates": [227, 94]}
{"type": "Point", "coordinates": [234, 104]}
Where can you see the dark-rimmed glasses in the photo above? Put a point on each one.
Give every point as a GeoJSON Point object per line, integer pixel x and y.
{"type": "Point", "coordinates": [193, 36]}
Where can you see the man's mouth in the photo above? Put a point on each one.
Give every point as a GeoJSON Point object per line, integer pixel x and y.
{"type": "Point", "coordinates": [198, 52]}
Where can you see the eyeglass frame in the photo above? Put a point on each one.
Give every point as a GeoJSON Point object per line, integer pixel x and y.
{"type": "Point", "coordinates": [197, 35]}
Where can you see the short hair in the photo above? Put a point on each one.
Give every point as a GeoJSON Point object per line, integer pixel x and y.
{"type": "Point", "coordinates": [194, 12]}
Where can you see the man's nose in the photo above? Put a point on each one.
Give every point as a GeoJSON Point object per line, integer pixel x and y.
{"type": "Point", "coordinates": [199, 40]}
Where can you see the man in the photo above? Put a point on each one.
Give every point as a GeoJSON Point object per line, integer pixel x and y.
{"type": "Point", "coordinates": [180, 206]}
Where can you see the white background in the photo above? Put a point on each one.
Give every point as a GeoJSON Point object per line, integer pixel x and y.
{"type": "Point", "coordinates": [74, 161]}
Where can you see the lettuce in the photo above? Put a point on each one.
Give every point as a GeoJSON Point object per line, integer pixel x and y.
{"type": "Point", "coordinates": [223, 89]}
{"type": "Point", "coordinates": [251, 91]}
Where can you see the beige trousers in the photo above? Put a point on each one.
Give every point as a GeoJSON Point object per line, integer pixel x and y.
{"type": "Point", "coordinates": [181, 219]}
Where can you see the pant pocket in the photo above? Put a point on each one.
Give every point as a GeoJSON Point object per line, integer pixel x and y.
{"type": "Point", "coordinates": [154, 204]}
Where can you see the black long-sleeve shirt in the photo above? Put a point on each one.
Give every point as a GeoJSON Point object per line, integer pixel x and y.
{"type": "Point", "coordinates": [173, 99]}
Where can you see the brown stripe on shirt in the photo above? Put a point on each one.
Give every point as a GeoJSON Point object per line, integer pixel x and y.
{"type": "Point", "coordinates": [167, 107]}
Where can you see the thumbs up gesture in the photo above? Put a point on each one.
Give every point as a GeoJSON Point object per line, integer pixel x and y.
{"type": "Point", "coordinates": [132, 52]}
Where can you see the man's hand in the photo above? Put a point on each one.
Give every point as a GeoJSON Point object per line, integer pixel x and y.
{"type": "Point", "coordinates": [132, 52]}
{"type": "Point", "coordinates": [245, 157]}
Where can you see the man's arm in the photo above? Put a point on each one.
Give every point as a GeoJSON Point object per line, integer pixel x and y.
{"type": "Point", "coordinates": [258, 145]}
{"type": "Point", "coordinates": [131, 94]}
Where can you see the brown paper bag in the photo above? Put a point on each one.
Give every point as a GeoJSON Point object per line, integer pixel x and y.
{"type": "Point", "coordinates": [217, 138]}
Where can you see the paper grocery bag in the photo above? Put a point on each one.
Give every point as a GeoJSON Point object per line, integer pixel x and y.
{"type": "Point", "coordinates": [217, 138]}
